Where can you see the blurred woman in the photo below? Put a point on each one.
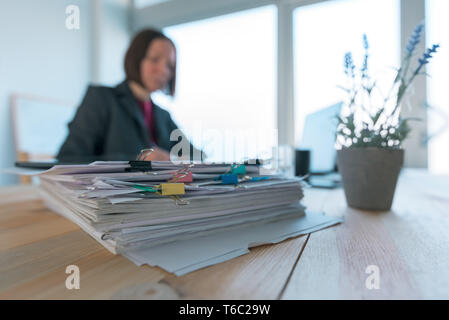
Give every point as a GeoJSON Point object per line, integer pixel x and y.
{"type": "Point", "coordinates": [117, 123]}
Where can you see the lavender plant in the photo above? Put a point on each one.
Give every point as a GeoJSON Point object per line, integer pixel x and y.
{"type": "Point", "coordinates": [370, 118]}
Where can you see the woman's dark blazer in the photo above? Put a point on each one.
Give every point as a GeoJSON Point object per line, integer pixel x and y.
{"type": "Point", "coordinates": [109, 125]}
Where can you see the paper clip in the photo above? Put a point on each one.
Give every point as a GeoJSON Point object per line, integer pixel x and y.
{"type": "Point", "coordinates": [143, 188]}
{"type": "Point", "coordinates": [179, 201]}
{"type": "Point", "coordinates": [231, 175]}
{"type": "Point", "coordinates": [238, 169]}
{"type": "Point", "coordinates": [228, 178]}
{"type": "Point", "coordinates": [145, 153]}
{"type": "Point", "coordinates": [183, 175]}
{"type": "Point", "coordinates": [165, 189]}
{"type": "Point", "coordinates": [171, 189]}
{"type": "Point", "coordinates": [139, 165]}
{"type": "Point", "coordinates": [258, 178]}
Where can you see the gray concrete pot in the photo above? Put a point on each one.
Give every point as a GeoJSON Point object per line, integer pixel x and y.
{"type": "Point", "coordinates": [369, 176]}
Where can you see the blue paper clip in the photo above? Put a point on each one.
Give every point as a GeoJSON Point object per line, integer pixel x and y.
{"type": "Point", "coordinates": [259, 178]}
{"type": "Point", "coordinates": [229, 178]}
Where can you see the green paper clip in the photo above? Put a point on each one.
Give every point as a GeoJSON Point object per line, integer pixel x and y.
{"type": "Point", "coordinates": [143, 188]}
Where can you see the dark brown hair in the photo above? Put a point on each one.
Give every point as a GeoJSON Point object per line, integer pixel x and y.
{"type": "Point", "coordinates": [137, 51]}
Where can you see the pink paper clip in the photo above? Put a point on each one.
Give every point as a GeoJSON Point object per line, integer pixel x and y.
{"type": "Point", "coordinates": [185, 176]}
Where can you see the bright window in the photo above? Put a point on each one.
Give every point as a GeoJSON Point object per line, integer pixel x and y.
{"type": "Point", "coordinates": [437, 27]}
{"type": "Point", "coordinates": [144, 3]}
{"type": "Point", "coordinates": [226, 83]}
{"type": "Point", "coordinates": [324, 32]}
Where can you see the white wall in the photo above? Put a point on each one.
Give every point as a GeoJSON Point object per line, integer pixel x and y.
{"type": "Point", "coordinates": [112, 37]}
{"type": "Point", "coordinates": [40, 56]}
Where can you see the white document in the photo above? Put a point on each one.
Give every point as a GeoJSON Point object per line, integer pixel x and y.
{"type": "Point", "coordinates": [189, 255]}
{"type": "Point", "coordinates": [209, 222]}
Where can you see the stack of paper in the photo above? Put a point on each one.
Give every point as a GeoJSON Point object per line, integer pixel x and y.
{"type": "Point", "coordinates": [180, 217]}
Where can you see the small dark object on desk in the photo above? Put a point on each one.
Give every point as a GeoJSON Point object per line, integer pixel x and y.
{"type": "Point", "coordinates": [302, 162]}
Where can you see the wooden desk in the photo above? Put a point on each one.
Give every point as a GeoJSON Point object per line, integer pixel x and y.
{"type": "Point", "coordinates": [409, 245]}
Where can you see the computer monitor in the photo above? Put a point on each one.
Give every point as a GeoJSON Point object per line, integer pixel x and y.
{"type": "Point", "coordinates": [319, 137]}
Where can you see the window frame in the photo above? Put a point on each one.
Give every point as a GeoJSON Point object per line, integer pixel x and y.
{"type": "Point", "coordinates": [412, 13]}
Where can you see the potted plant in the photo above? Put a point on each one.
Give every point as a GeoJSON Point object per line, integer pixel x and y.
{"type": "Point", "coordinates": [371, 129]}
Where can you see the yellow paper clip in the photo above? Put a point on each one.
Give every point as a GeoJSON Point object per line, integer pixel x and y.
{"type": "Point", "coordinates": [170, 189]}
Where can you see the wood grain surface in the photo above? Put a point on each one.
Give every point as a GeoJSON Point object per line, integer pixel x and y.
{"type": "Point", "coordinates": [36, 246]}
{"type": "Point", "coordinates": [409, 245]}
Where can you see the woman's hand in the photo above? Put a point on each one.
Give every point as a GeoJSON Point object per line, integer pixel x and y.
{"type": "Point", "coordinates": [154, 154]}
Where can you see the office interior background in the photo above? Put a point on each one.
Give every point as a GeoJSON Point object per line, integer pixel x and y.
{"type": "Point", "coordinates": [255, 65]}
